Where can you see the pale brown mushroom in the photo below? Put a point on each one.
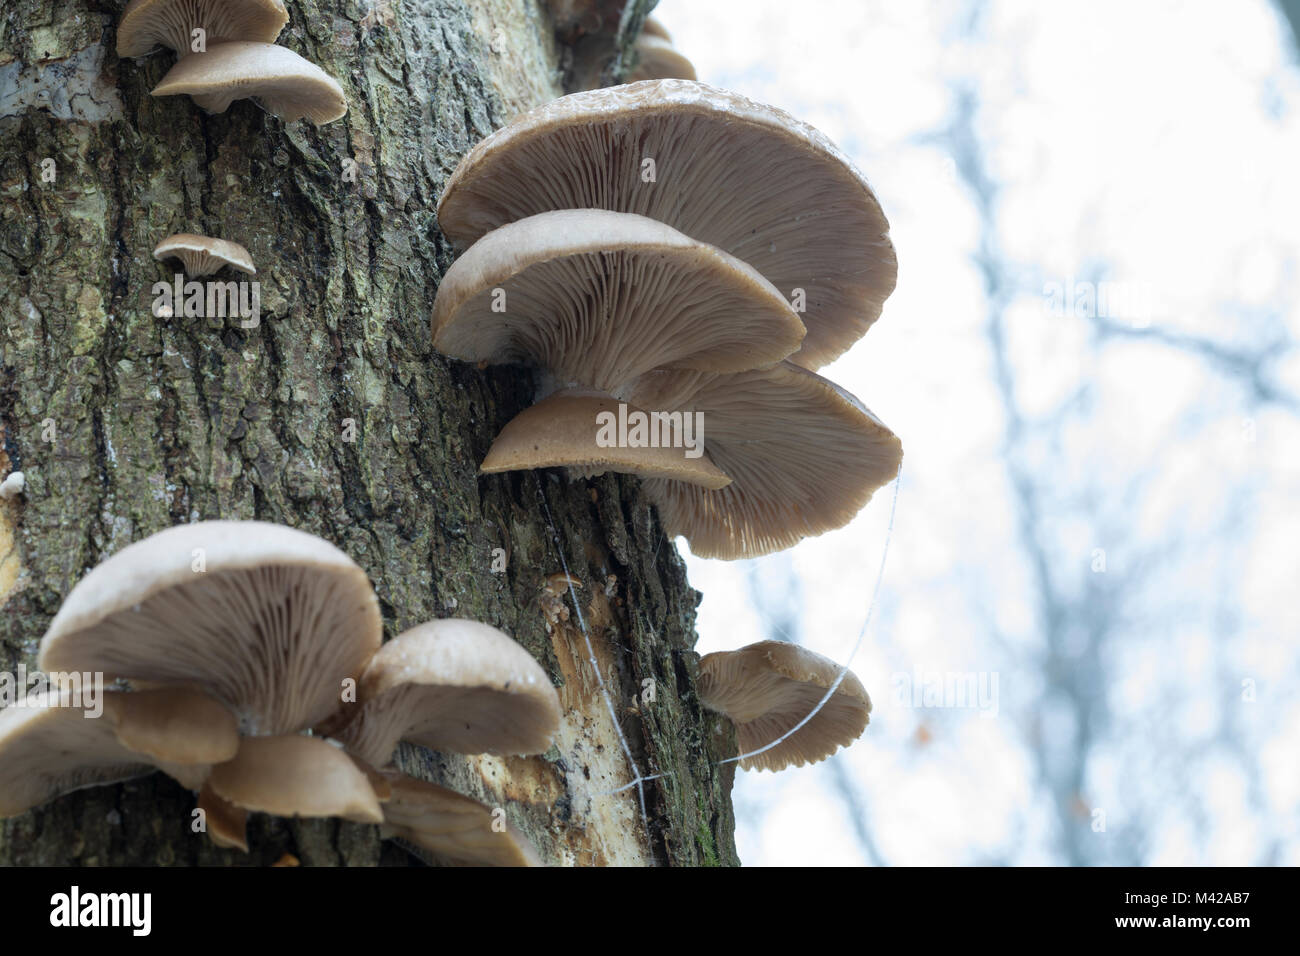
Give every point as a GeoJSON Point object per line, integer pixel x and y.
{"type": "Point", "coordinates": [148, 24]}
{"type": "Point", "coordinates": [296, 776]}
{"type": "Point", "coordinates": [267, 619]}
{"type": "Point", "coordinates": [658, 59]}
{"type": "Point", "coordinates": [51, 744]}
{"type": "Point", "coordinates": [767, 688]}
{"type": "Point", "coordinates": [653, 28]}
{"type": "Point", "coordinates": [803, 454]}
{"type": "Point", "coordinates": [563, 431]}
{"type": "Point", "coordinates": [225, 823]}
{"type": "Point", "coordinates": [451, 829]}
{"type": "Point", "coordinates": [722, 169]}
{"type": "Point", "coordinates": [599, 298]}
{"type": "Point", "coordinates": [203, 255]}
{"type": "Point", "coordinates": [452, 685]}
{"type": "Point", "coordinates": [282, 81]}
{"type": "Point", "coordinates": [182, 731]}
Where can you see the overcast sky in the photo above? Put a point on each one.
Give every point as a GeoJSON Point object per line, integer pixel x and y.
{"type": "Point", "coordinates": [1151, 145]}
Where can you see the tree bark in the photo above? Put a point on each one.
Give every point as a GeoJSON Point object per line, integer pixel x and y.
{"type": "Point", "coordinates": [124, 423]}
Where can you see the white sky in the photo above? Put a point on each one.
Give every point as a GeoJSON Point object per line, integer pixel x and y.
{"type": "Point", "coordinates": [1154, 144]}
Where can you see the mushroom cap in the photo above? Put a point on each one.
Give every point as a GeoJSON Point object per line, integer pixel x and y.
{"type": "Point", "coordinates": [653, 28]}
{"type": "Point", "coordinates": [804, 457]}
{"type": "Point", "coordinates": [283, 82]}
{"type": "Point", "coordinates": [173, 725]}
{"type": "Point", "coordinates": [768, 687]}
{"type": "Point", "coordinates": [560, 432]}
{"type": "Point", "coordinates": [601, 297]}
{"type": "Point", "coordinates": [227, 824]}
{"type": "Point", "coordinates": [49, 745]}
{"type": "Point", "coordinates": [296, 776]}
{"type": "Point", "coordinates": [747, 178]}
{"type": "Point", "coordinates": [270, 629]}
{"type": "Point", "coordinates": [203, 255]}
{"type": "Point", "coordinates": [453, 829]}
{"type": "Point", "coordinates": [450, 685]}
{"type": "Point", "coordinates": [147, 24]}
{"type": "Point", "coordinates": [658, 59]}
{"type": "Point", "coordinates": [48, 749]}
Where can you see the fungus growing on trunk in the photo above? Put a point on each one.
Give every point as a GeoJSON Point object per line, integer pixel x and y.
{"type": "Point", "coordinates": [296, 776]}
{"type": "Point", "coordinates": [563, 430]}
{"type": "Point", "coordinates": [267, 619]}
{"type": "Point", "coordinates": [203, 255]}
{"type": "Point", "coordinates": [453, 829]}
{"type": "Point", "coordinates": [747, 178]}
{"type": "Point", "coordinates": [769, 687]}
{"type": "Point", "coordinates": [52, 743]}
{"type": "Point", "coordinates": [451, 685]}
{"type": "Point", "coordinates": [282, 81]}
{"type": "Point", "coordinates": [599, 298]}
{"type": "Point", "coordinates": [658, 59]}
{"type": "Point", "coordinates": [803, 454]}
{"type": "Point", "coordinates": [148, 24]}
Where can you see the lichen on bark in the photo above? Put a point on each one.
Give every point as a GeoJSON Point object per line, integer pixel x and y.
{"type": "Point", "coordinates": [125, 423]}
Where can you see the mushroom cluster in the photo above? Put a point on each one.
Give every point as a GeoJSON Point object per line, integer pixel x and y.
{"type": "Point", "coordinates": [251, 658]}
{"type": "Point", "coordinates": [226, 51]}
{"type": "Point", "coordinates": [687, 254]}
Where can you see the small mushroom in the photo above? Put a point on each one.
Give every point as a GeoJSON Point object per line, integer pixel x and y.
{"type": "Point", "coordinates": [203, 255]}
{"type": "Point", "coordinates": [182, 731]}
{"type": "Point", "coordinates": [12, 486]}
{"type": "Point", "coordinates": [599, 298]}
{"type": "Point", "coordinates": [454, 830]}
{"type": "Point", "coordinates": [451, 685]}
{"type": "Point", "coordinates": [267, 619]}
{"type": "Point", "coordinates": [769, 687]}
{"type": "Point", "coordinates": [653, 28]}
{"type": "Point", "coordinates": [658, 59]}
{"type": "Point", "coordinates": [746, 178]}
{"type": "Point", "coordinates": [226, 823]}
{"type": "Point", "coordinates": [282, 81]}
{"type": "Point", "coordinates": [50, 745]}
{"type": "Point", "coordinates": [560, 432]}
{"type": "Point", "coordinates": [803, 454]}
{"type": "Point", "coordinates": [148, 24]}
{"type": "Point", "coordinates": [296, 776]}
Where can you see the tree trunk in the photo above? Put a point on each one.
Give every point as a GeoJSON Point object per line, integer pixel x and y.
{"type": "Point", "coordinates": [125, 423]}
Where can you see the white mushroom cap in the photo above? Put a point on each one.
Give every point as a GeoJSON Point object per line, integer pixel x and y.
{"type": "Point", "coordinates": [561, 431]}
{"type": "Point", "coordinates": [281, 80]}
{"type": "Point", "coordinates": [451, 685]}
{"type": "Point", "coordinates": [147, 24]}
{"type": "Point", "coordinates": [49, 745]}
{"type": "Point", "coordinates": [296, 776]}
{"type": "Point", "coordinates": [600, 297]}
{"type": "Point", "coordinates": [271, 626]}
{"type": "Point", "coordinates": [203, 255]}
{"type": "Point", "coordinates": [769, 687]}
{"type": "Point", "coordinates": [747, 178]}
{"type": "Point", "coordinates": [804, 457]}
{"type": "Point", "coordinates": [454, 830]}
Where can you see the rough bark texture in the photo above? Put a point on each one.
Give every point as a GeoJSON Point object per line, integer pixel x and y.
{"type": "Point", "coordinates": [125, 423]}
